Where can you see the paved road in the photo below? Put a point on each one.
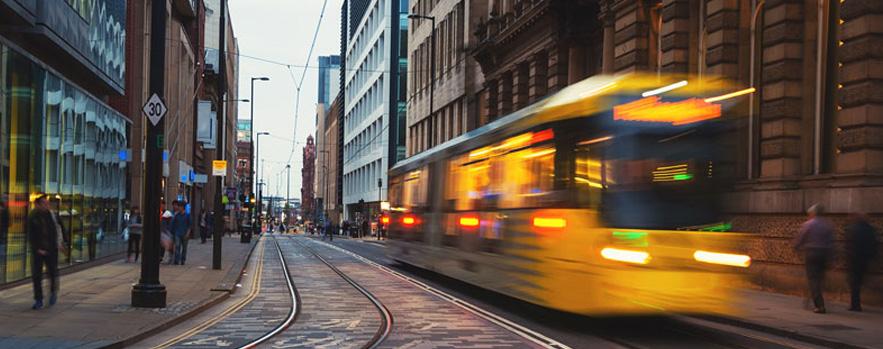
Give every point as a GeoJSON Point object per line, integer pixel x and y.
{"type": "Point", "coordinates": [344, 289]}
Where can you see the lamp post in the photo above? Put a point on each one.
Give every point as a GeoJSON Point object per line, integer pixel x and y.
{"type": "Point", "coordinates": [431, 72]}
{"type": "Point", "coordinates": [256, 156]}
{"type": "Point", "coordinates": [251, 183]}
{"type": "Point", "coordinates": [288, 193]}
{"type": "Point", "coordinates": [149, 292]}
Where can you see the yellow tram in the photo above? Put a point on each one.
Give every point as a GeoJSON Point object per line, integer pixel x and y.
{"type": "Point", "coordinates": [601, 199]}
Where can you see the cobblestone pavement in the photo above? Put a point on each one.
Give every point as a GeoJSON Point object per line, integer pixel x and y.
{"type": "Point", "coordinates": [266, 311]}
{"type": "Point", "coordinates": [333, 314]}
{"type": "Point", "coordinates": [421, 320]}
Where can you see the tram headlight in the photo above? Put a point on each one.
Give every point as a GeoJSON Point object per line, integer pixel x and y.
{"type": "Point", "coordinates": [627, 256]}
{"type": "Point", "coordinates": [735, 260]}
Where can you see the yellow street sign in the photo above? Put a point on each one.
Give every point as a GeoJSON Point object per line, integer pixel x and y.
{"type": "Point", "coordinates": [219, 168]}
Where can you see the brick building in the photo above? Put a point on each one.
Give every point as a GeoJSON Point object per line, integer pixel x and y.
{"type": "Point", "coordinates": [811, 134]}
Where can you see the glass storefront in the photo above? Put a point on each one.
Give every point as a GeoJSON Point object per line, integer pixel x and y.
{"type": "Point", "coordinates": [56, 139]}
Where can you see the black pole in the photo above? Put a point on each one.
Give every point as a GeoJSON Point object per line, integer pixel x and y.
{"type": "Point", "coordinates": [221, 143]}
{"type": "Point", "coordinates": [252, 186]}
{"type": "Point", "coordinates": [149, 292]}
{"type": "Point", "coordinates": [432, 86]}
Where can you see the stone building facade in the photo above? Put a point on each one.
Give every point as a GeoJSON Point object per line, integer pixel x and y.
{"type": "Point", "coordinates": [810, 134]}
{"type": "Point", "coordinates": [457, 74]}
{"type": "Point", "coordinates": [308, 175]}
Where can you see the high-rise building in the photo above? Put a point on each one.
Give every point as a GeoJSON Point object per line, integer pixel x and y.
{"type": "Point", "coordinates": [374, 67]}
{"type": "Point", "coordinates": [329, 74]}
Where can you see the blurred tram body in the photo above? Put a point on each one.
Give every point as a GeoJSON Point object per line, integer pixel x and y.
{"type": "Point", "coordinates": [601, 199]}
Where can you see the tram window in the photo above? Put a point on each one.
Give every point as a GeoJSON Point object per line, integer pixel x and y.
{"type": "Point", "coordinates": [525, 178]}
{"type": "Point", "coordinates": [591, 173]}
{"type": "Point", "coordinates": [414, 189]}
{"type": "Point", "coordinates": [469, 184]}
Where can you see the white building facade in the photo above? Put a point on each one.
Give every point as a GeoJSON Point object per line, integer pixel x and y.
{"type": "Point", "coordinates": [368, 83]}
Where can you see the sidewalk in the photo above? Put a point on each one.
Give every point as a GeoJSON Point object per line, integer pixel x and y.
{"type": "Point", "coordinates": [94, 309]}
{"type": "Point", "coordinates": [784, 315]}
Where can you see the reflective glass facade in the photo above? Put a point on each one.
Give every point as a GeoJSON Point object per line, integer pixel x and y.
{"type": "Point", "coordinates": [57, 139]}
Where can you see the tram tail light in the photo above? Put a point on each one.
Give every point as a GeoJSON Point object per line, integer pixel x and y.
{"type": "Point", "coordinates": [735, 260]}
{"type": "Point", "coordinates": [409, 220]}
{"type": "Point", "coordinates": [549, 222]}
{"type": "Point", "coordinates": [469, 221]}
{"type": "Point", "coordinates": [628, 256]}
{"type": "Point", "coordinates": [384, 220]}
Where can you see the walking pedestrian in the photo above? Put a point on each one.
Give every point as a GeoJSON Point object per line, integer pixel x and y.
{"type": "Point", "coordinates": [180, 227]}
{"type": "Point", "coordinates": [166, 241]}
{"type": "Point", "coordinates": [203, 227]}
{"type": "Point", "coordinates": [44, 240]}
{"type": "Point", "coordinates": [328, 230]}
{"type": "Point", "coordinates": [134, 224]}
{"type": "Point", "coordinates": [366, 228]}
{"type": "Point", "coordinates": [816, 241]}
{"type": "Point", "coordinates": [861, 248]}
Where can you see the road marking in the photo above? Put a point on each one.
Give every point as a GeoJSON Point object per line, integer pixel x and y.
{"type": "Point", "coordinates": [252, 294]}
{"type": "Point", "coordinates": [521, 331]}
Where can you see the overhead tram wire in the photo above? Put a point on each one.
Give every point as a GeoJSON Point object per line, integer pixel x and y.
{"type": "Point", "coordinates": [303, 75]}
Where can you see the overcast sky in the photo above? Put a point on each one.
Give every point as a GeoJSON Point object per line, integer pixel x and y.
{"type": "Point", "coordinates": [281, 31]}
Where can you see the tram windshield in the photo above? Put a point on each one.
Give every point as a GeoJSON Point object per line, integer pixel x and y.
{"type": "Point", "coordinates": [651, 181]}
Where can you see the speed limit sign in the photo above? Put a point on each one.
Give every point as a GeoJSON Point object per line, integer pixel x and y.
{"type": "Point", "coordinates": [155, 109]}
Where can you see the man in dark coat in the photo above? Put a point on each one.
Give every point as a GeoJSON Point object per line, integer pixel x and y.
{"type": "Point", "coordinates": [44, 241]}
{"type": "Point", "coordinates": [816, 241]}
{"type": "Point", "coordinates": [861, 248]}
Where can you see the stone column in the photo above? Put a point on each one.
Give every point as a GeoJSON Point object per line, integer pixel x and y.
{"type": "Point", "coordinates": [632, 35]}
{"type": "Point", "coordinates": [607, 18]}
{"type": "Point", "coordinates": [676, 28]}
{"type": "Point", "coordinates": [722, 41]}
{"type": "Point", "coordinates": [782, 90]}
{"type": "Point", "coordinates": [557, 68]}
{"type": "Point", "coordinates": [538, 79]}
{"type": "Point", "coordinates": [859, 140]}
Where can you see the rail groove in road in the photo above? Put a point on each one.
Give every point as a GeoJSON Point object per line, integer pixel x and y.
{"type": "Point", "coordinates": [254, 292]}
{"type": "Point", "coordinates": [387, 319]}
{"type": "Point", "coordinates": [515, 328]}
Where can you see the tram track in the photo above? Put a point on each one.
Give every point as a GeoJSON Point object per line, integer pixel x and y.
{"type": "Point", "coordinates": [386, 316]}
{"type": "Point", "coordinates": [520, 331]}
{"type": "Point", "coordinates": [674, 331]}
{"type": "Point", "coordinates": [254, 293]}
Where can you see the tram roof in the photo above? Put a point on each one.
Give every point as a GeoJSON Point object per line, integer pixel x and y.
{"type": "Point", "coordinates": [586, 97]}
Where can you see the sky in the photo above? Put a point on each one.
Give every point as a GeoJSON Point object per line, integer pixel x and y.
{"type": "Point", "coordinates": [282, 31]}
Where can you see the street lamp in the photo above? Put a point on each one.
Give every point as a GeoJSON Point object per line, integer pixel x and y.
{"type": "Point", "coordinates": [260, 192]}
{"type": "Point", "coordinates": [251, 183]}
{"type": "Point", "coordinates": [431, 72]}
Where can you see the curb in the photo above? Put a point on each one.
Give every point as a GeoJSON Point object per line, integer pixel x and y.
{"type": "Point", "coordinates": [779, 332]}
{"type": "Point", "coordinates": [221, 294]}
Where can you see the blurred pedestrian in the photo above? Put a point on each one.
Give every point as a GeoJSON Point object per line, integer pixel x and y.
{"type": "Point", "coordinates": [861, 248]}
{"type": "Point", "coordinates": [180, 227]}
{"type": "Point", "coordinates": [135, 226]}
{"type": "Point", "coordinates": [203, 227]}
{"type": "Point", "coordinates": [328, 230]}
{"type": "Point", "coordinates": [816, 241]}
{"type": "Point", "coordinates": [366, 228]}
{"type": "Point", "coordinates": [166, 240]}
{"type": "Point", "coordinates": [44, 240]}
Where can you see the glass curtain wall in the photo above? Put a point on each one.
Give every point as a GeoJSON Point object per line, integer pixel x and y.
{"type": "Point", "coordinates": [58, 140]}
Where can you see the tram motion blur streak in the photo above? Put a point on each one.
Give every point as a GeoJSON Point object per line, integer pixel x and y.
{"type": "Point", "coordinates": [594, 200]}
{"type": "Point", "coordinates": [521, 331]}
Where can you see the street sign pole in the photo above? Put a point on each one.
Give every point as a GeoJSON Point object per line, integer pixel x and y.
{"type": "Point", "coordinates": [219, 151]}
{"type": "Point", "coordinates": [149, 292]}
